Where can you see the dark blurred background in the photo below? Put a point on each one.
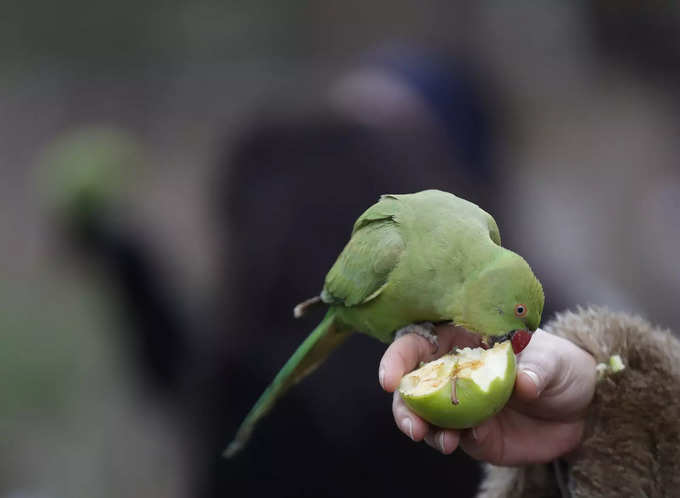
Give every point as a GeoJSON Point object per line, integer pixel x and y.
{"type": "Point", "coordinates": [175, 177]}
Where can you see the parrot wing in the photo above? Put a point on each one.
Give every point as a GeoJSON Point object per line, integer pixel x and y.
{"type": "Point", "coordinates": [361, 271]}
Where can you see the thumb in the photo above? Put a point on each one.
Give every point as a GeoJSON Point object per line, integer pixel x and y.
{"type": "Point", "coordinates": [538, 366]}
{"type": "Point", "coordinates": [555, 379]}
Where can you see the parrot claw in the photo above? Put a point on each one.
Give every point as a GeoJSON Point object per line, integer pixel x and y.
{"type": "Point", "coordinates": [423, 329]}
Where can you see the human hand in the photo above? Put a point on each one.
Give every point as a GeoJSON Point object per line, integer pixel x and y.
{"type": "Point", "coordinates": [544, 418]}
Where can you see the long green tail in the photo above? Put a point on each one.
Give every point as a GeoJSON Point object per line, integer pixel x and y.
{"type": "Point", "coordinates": [311, 353]}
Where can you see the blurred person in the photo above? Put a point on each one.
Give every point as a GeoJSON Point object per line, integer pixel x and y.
{"type": "Point", "coordinates": [292, 186]}
{"type": "Point", "coordinates": [405, 89]}
{"type": "Point", "coordinates": [288, 191]}
{"type": "Point", "coordinates": [293, 190]}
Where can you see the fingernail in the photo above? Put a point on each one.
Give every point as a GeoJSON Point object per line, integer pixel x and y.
{"type": "Point", "coordinates": [407, 423]}
{"type": "Point", "coordinates": [534, 378]}
{"type": "Point", "coordinates": [442, 441]}
{"type": "Point", "coordinates": [381, 377]}
{"type": "Point", "coordinates": [480, 432]}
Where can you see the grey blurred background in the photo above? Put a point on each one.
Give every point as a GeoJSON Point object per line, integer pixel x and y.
{"type": "Point", "coordinates": [586, 185]}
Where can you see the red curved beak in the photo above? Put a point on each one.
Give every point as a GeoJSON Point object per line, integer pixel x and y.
{"type": "Point", "coordinates": [520, 340]}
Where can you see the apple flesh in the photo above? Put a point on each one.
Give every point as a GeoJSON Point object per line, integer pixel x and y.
{"type": "Point", "coordinates": [463, 389]}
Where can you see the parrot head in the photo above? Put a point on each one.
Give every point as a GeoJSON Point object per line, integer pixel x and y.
{"type": "Point", "coordinates": [505, 297]}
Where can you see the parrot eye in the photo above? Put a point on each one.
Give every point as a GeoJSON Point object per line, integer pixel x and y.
{"type": "Point", "coordinates": [520, 310]}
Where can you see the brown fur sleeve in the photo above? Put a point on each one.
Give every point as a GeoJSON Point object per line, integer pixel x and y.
{"type": "Point", "coordinates": [631, 446]}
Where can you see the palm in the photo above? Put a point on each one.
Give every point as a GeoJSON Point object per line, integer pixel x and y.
{"type": "Point", "coordinates": [515, 438]}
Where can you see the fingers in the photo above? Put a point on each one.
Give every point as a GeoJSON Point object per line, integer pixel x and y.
{"type": "Point", "coordinates": [442, 440]}
{"type": "Point", "coordinates": [404, 354]}
{"type": "Point", "coordinates": [401, 357]}
{"type": "Point", "coordinates": [408, 422]}
{"type": "Point", "coordinates": [445, 441]}
{"type": "Point", "coordinates": [555, 380]}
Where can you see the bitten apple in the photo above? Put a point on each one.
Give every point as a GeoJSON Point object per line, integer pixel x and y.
{"type": "Point", "coordinates": [461, 390]}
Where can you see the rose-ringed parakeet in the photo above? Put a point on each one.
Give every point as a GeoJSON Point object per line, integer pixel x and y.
{"type": "Point", "coordinates": [413, 260]}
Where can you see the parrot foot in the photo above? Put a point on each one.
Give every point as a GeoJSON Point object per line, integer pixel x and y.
{"type": "Point", "coordinates": [423, 329]}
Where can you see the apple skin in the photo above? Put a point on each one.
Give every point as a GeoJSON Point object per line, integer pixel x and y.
{"type": "Point", "coordinates": [475, 405]}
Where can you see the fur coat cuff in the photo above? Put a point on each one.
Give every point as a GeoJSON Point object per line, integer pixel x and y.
{"type": "Point", "coordinates": [631, 444]}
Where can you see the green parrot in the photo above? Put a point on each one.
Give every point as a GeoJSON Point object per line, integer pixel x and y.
{"type": "Point", "coordinates": [413, 260]}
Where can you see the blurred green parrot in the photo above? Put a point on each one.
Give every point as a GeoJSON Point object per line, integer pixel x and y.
{"type": "Point", "coordinates": [87, 171]}
{"type": "Point", "coordinates": [412, 261]}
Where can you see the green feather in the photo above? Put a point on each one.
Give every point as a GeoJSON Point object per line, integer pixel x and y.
{"type": "Point", "coordinates": [361, 271]}
{"type": "Point", "coordinates": [308, 356]}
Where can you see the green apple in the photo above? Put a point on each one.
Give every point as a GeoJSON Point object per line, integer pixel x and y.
{"type": "Point", "coordinates": [462, 389]}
